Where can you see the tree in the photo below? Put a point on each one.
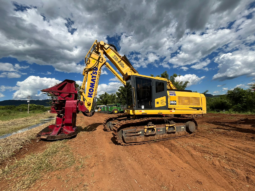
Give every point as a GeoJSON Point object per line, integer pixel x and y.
{"type": "Point", "coordinates": [252, 86]}
{"type": "Point", "coordinates": [107, 99]}
{"type": "Point", "coordinates": [112, 99]}
{"type": "Point", "coordinates": [122, 94]}
{"type": "Point", "coordinates": [180, 85]}
{"type": "Point", "coordinates": [103, 99]}
{"type": "Point", "coordinates": [78, 87]}
{"type": "Point", "coordinates": [241, 100]}
{"type": "Point", "coordinates": [205, 92]}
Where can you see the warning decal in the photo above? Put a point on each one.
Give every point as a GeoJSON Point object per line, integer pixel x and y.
{"type": "Point", "coordinates": [172, 102]}
{"type": "Point", "coordinates": [171, 93]}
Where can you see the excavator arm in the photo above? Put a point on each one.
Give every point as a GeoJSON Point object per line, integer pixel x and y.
{"type": "Point", "coordinates": [94, 61]}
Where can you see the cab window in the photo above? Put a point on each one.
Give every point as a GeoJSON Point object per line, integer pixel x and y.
{"type": "Point", "coordinates": [159, 87]}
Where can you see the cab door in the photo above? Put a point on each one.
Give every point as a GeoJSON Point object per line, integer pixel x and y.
{"type": "Point", "coordinates": [143, 93]}
{"type": "Point", "coordinates": [159, 95]}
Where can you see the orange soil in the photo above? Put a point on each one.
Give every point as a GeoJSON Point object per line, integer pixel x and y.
{"type": "Point", "coordinates": [221, 156]}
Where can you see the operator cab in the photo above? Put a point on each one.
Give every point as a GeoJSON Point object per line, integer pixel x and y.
{"type": "Point", "coordinates": [145, 93]}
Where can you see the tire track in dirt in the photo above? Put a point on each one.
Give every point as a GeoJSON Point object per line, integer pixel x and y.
{"type": "Point", "coordinates": [237, 163]}
{"type": "Point", "coordinates": [197, 167]}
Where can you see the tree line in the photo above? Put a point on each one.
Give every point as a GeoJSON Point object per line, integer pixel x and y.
{"type": "Point", "coordinates": [236, 100]}
{"type": "Point", "coordinates": [23, 107]}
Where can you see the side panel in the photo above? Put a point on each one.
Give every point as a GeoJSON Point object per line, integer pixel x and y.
{"type": "Point", "coordinates": [159, 94]}
{"type": "Point", "coordinates": [184, 101]}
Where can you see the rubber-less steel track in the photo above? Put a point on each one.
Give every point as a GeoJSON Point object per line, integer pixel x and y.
{"type": "Point", "coordinates": [119, 125]}
{"type": "Point", "coordinates": [112, 119]}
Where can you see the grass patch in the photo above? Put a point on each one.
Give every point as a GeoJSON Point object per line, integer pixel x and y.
{"type": "Point", "coordinates": [9, 145]}
{"type": "Point", "coordinates": [27, 171]}
{"type": "Point", "coordinates": [232, 112]}
{"type": "Point", "coordinates": [20, 123]}
{"type": "Point", "coordinates": [6, 115]}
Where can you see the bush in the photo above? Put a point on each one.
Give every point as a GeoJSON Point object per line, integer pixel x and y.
{"type": "Point", "coordinates": [218, 104]}
{"type": "Point", "coordinates": [7, 107]}
{"type": "Point", "coordinates": [237, 100]}
{"type": "Point", "coordinates": [32, 107]}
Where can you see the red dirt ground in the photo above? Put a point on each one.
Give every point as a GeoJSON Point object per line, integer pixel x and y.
{"type": "Point", "coordinates": [220, 156]}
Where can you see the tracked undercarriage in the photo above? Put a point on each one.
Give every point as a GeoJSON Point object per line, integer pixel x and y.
{"type": "Point", "coordinates": [149, 129]}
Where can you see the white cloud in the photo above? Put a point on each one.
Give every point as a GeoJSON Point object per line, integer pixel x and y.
{"type": "Point", "coordinates": [251, 83]}
{"type": "Point", "coordinates": [3, 75]}
{"type": "Point", "coordinates": [243, 86]}
{"type": "Point", "coordinates": [221, 85]}
{"type": "Point", "coordinates": [78, 82]}
{"type": "Point", "coordinates": [115, 79]}
{"type": "Point", "coordinates": [201, 65]}
{"type": "Point", "coordinates": [184, 68]}
{"type": "Point", "coordinates": [11, 70]}
{"type": "Point", "coordinates": [8, 67]}
{"type": "Point", "coordinates": [9, 75]}
{"type": "Point", "coordinates": [235, 64]}
{"type": "Point", "coordinates": [4, 88]}
{"type": "Point", "coordinates": [18, 67]}
{"type": "Point", "coordinates": [103, 71]}
{"type": "Point", "coordinates": [1, 95]}
{"type": "Point", "coordinates": [112, 87]}
{"type": "Point", "coordinates": [191, 78]}
{"type": "Point", "coordinates": [224, 89]}
{"type": "Point", "coordinates": [32, 86]}
{"type": "Point", "coordinates": [47, 73]}
{"type": "Point", "coordinates": [152, 57]}
{"type": "Point", "coordinates": [153, 30]}
{"type": "Point", "coordinates": [13, 75]}
{"type": "Point", "coordinates": [216, 92]}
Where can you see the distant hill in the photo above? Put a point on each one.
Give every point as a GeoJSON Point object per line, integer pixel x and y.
{"type": "Point", "coordinates": [208, 95]}
{"type": "Point", "coordinates": [19, 102]}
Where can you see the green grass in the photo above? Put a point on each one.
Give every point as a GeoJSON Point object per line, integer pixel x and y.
{"type": "Point", "coordinates": [6, 115]}
{"type": "Point", "coordinates": [25, 172]}
{"type": "Point", "coordinates": [232, 112]}
{"type": "Point", "coordinates": [21, 120]}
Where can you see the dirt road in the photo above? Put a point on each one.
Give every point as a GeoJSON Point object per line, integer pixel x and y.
{"type": "Point", "coordinates": [221, 156]}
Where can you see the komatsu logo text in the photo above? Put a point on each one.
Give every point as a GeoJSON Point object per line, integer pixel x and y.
{"type": "Point", "coordinates": [93, 81]}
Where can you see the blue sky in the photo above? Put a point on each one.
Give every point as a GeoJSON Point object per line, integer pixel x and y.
{"type": "Point", "coordinates": [210, 44]}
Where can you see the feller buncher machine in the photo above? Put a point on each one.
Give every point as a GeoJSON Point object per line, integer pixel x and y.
{"type": "Point", "coordinates": [156, 110]}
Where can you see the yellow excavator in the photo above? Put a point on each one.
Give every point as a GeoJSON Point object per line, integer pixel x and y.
{"type": "Point", "coordinates": [156, 110]}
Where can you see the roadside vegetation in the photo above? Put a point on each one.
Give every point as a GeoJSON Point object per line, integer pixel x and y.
{"type": "Point", "coordinates": [14, 118]}
{"type": "Point", "coordinates": [28, 170]}
{"type": "Point", "coordinates": [11, 144]}
{"type": "Point", "coordinates": [13, 112]}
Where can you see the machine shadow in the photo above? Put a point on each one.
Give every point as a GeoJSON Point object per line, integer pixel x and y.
{"type": "Point", "coordinates": [113, 139]}
{"type": "Point", "coordinates": [91, 127]}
